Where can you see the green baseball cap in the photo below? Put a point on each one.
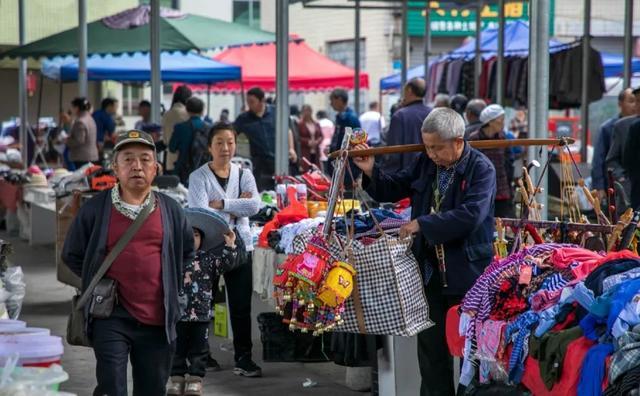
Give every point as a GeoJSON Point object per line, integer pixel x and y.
{"type": "Point", "coordinates": [133, 136]}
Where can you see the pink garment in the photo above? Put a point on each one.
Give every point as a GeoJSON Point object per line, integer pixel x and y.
{"type": "Point", "coordinates": [327, 128]}
{"type": "Point", "coordinates": [583, 270]}
{"type": "Point", "coordinates": [564, 257]}
{"type": "Point", "coordinates": [545, 299]}
{"type": "Point", "coordinates": [490, 339]}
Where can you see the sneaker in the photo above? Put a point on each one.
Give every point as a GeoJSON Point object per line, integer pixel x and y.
{"type": "Point", "coordinates": [193, 387]}
{"type": "Point", "coordinates": [247, 368]}
{"type": "Point", "coordinates": [212, 364]}
{"type": "Point", "coordinates": [175, 386]}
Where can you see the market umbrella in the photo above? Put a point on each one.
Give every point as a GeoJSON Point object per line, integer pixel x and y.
{"type": "Point", "coordinates": [128, 32]}
{"type": "Point", "coordinates": [176, 67]}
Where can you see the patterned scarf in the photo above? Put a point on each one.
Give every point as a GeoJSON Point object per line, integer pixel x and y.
{"type": "Point", "coordinates": [126, 209]}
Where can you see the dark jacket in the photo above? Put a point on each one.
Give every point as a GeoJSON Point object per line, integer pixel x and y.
{"type": "Point", "coordinates": [261, 132]}
{"type": "Point", "coordinates": [181, 141]}
{"type": "Point", "coordinates": [85, 248]}
{"type": "Point", "coordinates": [347, 118]}
{"type": "Point", "coordinates": [600, 151]}
{"type": "Point", "coordinates": [405, 128]}
{"type": "Point", "coordinates": [631, 164]}
{"type": "Point", "coordinates": [465, 224]}
{"type": "Point", "coordinates": [616, 151]}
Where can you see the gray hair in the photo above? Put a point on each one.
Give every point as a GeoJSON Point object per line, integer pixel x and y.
{"type": "Point", "coordinates": [446, 122]}
{"type": "Point", "coordinates": [442, 100]}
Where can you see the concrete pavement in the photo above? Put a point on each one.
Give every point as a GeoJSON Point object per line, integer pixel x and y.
{"type": "Point", "coordinates": [47, 304]}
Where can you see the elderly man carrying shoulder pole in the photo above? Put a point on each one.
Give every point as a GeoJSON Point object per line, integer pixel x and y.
{"type": "Point", "coordinates": [452, 189]}
{"type": "Point", "coordinates": [142, 239]}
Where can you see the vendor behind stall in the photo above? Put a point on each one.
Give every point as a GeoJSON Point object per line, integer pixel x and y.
{"type": "Point", "coordinates": [452, 189]}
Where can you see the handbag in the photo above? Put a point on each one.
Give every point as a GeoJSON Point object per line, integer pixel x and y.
{"type": "Point", "coordinates": [76, 334]}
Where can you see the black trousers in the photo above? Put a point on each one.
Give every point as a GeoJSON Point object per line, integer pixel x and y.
{"type": "Point", "coordinates": [192, 345]}
{"type": "Point", "coordinates": [239, 288]}
{"type": "Point", "coordinates": [263, 170]}
{"type": "Point", "coordinates": [120, 338]}
{"type": "Point", "coordinates": [436, 365]}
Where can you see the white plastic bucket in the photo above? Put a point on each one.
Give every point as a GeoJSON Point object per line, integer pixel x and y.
{"type": "Point", "coordinates": [11, 325]}
{"type": "Point", "coordinates": [33, 349]}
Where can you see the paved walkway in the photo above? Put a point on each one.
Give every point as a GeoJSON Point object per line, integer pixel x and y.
{"type": "Point", "coordinates": [47, 305]}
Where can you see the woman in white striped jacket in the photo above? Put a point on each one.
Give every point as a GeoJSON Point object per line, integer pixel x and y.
{"type": "Point", "coordinates": [232, 193]}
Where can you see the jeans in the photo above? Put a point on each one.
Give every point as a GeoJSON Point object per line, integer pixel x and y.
{"type": "Point", "coordinates": [239, 288]}
{"type": "Point", "coordinates": [120, 338]}
{"type": "Point", "coordinates": [436, 365]}
{"type": "Point", "coordinates": [192, 345]}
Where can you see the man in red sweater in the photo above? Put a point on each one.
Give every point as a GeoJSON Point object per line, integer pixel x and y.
{"type": "Point", "coordinates": [148, 271]}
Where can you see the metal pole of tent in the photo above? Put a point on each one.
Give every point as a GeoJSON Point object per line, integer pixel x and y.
{"type": "Point", "coordinates": [539, 90]}
{"type": "Point", "coordinates": [209, 100]}
{"type": "Point", "coordinates": [61, 109]}
{"type": "Point", "coordinates": [427, 40]}
{"type": "Point", "coordinates": [404, 47]}
{"type": "Point", "coordinates": [82, 49]}
{"type": "Point", "coordinates": [586, 71]}
{"type": "Point", "coordinates": [500, 60]}
{"type": "Point", "coordinates": [478, 55]}
{"type": "Point", "coordinates": [22, 88]}
{"type": "Point", "coordinates": [356, 59]}
{"type": "Point", "coordinates": [282, 87]}
{"type": "Point", "coordinates": [628, 42]}
{"type": "Point", "coordinates": [156, 67]}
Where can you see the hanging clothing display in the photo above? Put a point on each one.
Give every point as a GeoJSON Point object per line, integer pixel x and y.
{"type": "Point", "coordinates": [453, 74]}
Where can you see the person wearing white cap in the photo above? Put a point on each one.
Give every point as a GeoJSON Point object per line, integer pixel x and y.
{"type": "Point", "coordinates": [492, 119]}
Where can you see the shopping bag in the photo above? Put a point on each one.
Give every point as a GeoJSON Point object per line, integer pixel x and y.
{"type": "Point", "coordinates": [388, 296]}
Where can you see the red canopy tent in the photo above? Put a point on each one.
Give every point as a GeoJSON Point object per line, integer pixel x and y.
{"type": "Point", "coordinates": [309, 70]}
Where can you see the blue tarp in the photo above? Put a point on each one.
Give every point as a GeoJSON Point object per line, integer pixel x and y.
{"type": "Point", "coordinates": [176, 67]}
{"type": "Point", "coordinates": [516, 43]}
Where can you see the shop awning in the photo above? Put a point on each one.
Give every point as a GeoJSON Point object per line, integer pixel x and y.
{"type": "Point", "coordinates": [309, 70]}
{"type": "Point", "coordinates": [128, 32]}
{"type": "Point", "coordinates": [176, 67]}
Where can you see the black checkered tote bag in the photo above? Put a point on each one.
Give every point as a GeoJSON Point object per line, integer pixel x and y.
{"type": "Point", "coordinates": [388, 297]}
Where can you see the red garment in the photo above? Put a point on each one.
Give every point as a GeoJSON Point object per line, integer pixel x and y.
{"type": "Point", "coordinates": [455, 341]}
{"type": "Point", "coordinates": [584, 270]}
{"type": "Point", "coordinates": [563, 257]}
{"type": "Point", "coordinates": [138, 268]}
{"type": "Point", "coordinates": [571, 367]}
{"type": "Point", "coordinates": [306, 151]}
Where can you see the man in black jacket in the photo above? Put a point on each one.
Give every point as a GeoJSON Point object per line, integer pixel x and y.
{"type": "Point", "coordinates": [148, 271]}
{"type": "Point", "coordinates": [405, 125]}
{"type": "Point", "coordinates": [452, 190]}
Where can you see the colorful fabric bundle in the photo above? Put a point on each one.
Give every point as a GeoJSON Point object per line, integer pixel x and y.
{"type": "Point", "coordinates": [558, 318]}
{"type": "Point", "coordinates": [311, 288]}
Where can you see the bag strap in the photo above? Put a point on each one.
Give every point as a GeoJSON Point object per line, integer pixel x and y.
{"type": "Point", "coordinates": [117, 249]}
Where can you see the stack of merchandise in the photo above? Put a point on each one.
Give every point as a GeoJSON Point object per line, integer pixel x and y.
{"type": "Point", "coordinates": [12, 286]}
{"type": "Point", "coordinates": [556, 319]}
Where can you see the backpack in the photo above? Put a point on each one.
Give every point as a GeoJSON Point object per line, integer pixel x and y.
{"type": "Point", "coordinates": [199, 149]}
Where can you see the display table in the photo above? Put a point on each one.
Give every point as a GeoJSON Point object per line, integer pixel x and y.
{"type": "Point", "coordinates": [41, 215]}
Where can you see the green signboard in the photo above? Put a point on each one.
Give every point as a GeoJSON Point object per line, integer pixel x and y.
{"type": "Point", "coordinates": [449, 21]}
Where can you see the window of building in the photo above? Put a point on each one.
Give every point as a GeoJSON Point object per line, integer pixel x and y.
{"type": "Point", "coordinates": [247, 12]}
{"type": "Point", "coordinates": [344, 52]}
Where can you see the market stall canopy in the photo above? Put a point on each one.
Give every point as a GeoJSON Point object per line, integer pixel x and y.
{"type": "Point", "coordinates": [614, 64]}
{"type": "Point", "coordinates": [516, 43]}
{"type": "Point", "coordinates": [309, 70]}
{"type": "Point", "coordinates": [128, 32]}
{"type": "Point", "coordinates": [176, 67]}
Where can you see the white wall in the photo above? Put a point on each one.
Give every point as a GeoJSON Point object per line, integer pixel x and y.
{"type": "Point", "coordinates": [219, 9]}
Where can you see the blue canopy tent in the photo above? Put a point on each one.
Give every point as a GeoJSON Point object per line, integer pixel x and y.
{"type": "Point", "coordinates": [176, 67]}
{"type": "Point", "coordinates": [614, 64]}
{"type": "Point", "coordinates": [516, 43]}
